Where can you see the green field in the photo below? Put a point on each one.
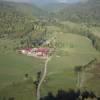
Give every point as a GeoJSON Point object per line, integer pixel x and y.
{"type": "Point", "coordinates": [13, 67]}
{"type": "Point", "coordinates": [71, 50]}
{"type": "Point", "coordinates": [77, 50]}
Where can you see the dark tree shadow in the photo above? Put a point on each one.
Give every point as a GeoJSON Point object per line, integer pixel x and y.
{"type": "Point", "coordinates": [70, 95]}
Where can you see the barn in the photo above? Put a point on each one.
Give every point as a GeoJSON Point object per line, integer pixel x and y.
{"type": "Point", "coordinates": [25, 51]}
{"type": "Point", "coordinates": [41, 52]}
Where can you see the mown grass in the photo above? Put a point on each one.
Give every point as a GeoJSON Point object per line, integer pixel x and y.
{"type": "Point", "coordinates": [20, 91]}
{"type": "Point", "coordinates": [13, 67]}
{"type": "Point", "coordinates": [61, 74]}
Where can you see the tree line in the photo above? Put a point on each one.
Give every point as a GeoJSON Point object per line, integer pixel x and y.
{"type": "Point", "coordinates": [82, 12]}
{"type": "Point", "coordinates": [71, 95]}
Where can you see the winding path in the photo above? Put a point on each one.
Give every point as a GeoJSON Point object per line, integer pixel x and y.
{"type": "Point", "coordinates": [45, 71]}
{"type": "Point", "coordinates": [42, 79]}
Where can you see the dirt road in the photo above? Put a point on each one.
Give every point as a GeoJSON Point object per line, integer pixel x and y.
{"type": "Point", "coordinates": [42, 79]}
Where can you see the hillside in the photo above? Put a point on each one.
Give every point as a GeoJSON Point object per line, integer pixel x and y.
{"type": "Point", "coordinates": [81, 12]}
{"type": "Point", "coordinates": [17, 18]}
{"type": "Point", "coordinates": [53, 7]}
{"type": "Point", "coordinates": [42, 52]}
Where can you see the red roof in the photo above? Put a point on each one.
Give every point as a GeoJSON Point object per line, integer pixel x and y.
{"type": "Point", "coordinates": [28, 49]}
{"type": "Point", "coordinates": [45, 50]}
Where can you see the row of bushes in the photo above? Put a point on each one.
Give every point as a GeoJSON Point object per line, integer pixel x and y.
{"type": "Point", "coordinates": [71, 95]}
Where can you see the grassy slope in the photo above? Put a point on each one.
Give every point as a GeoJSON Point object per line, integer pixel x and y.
{"type": "Point", "coordinates": [77, 50]}
{"type": "Point", "coordinates": [82, 12]}
{"type": "Point", "coordinates": [21, 91]}
{"type": "Point", "coordinates": [13, 67]}
{"type": "Point", "coordinates": [61, 68]}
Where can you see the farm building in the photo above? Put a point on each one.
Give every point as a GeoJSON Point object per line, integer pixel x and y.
{"type": "Point", "coordinates": [25, 51]}
{"type": "Point", "coordinates": [42, 51]}
{"type": "Point", "coordinates": [36, 52]}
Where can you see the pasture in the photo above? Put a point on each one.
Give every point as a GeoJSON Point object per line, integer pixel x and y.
{"type": "Point", "coordinates": [13, 67]}
{"type": "Point", "coordinates": [71, 50]}
{"type": "Point", "coordinates": [77, 50]}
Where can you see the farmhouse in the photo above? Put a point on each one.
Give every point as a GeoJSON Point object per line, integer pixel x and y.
{"type": "Point", "coordinates": [25, 51]}
{"type": "Point", "coordinates": [35, 52]}
{"type": "Point", "coordinates": [42, 51]}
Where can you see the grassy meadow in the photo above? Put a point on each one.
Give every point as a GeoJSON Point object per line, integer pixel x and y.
{"type": "Point", "coordinates": [71, 50]}
{"type": "Point", "coordinates": [13, 67]}
{"type": "Point", "coordinates": [74, 50]}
